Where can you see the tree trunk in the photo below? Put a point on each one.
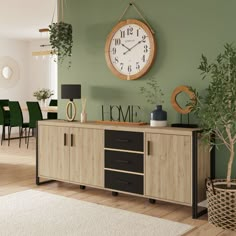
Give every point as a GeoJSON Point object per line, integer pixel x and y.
{"type": "Point", "coordinates": [230, 163]}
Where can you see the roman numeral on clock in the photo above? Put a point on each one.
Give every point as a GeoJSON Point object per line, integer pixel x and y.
{"type": "Point", "coordinates": [117, 42]}
{"type": "Point", "coordinates": [129, 68]}
{"type": "Point", "coordinates": [122, 34]}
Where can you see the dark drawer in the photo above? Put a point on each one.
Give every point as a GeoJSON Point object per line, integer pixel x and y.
{"type": "Point", "coordinates": [124, 140]}
{"type": "Point", "coordinates": [124, 161]}
{"type": "Point", "coordinates": [124, 182]}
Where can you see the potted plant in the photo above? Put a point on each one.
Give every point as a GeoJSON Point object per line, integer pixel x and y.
{"type": "Point", "coordinates": [154, 96]}
{"type": "Point", "coordinates": [216, 112]}
{"type": "Point", "coordinates": [43, 94]}
{"type": "Point", "coordinates": [60, 37]}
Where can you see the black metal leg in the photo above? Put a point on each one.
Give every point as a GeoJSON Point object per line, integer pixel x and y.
{"type": "Point", "coordinates": [152, 201]}
{"type": "Point", "coordinates": [3, 134]}
{"type": "Point", "coordinates": [82, 187]}
{"type": "Point", "coordinates": [114, 194]}
{"type": "Point", "coordinates": [195, 212]}
{"type": "Point", "coordinates": [38, 182]}
{"type": "Point", "coordinates": [28, 138]}
{"type": "Point", "coordinates": [20, 135]}
{"type": "Point", "coordinates": [194, 176]}
{"type": "Point", "coordinates": [25, 135]}
{"type": "Point", "coordinates": [9, 135]}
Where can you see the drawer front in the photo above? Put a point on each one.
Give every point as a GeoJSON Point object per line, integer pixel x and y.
{"type": "Point", "coordinates": [124, 161]}
{"type": "Point", "coordinates": [126, 140]}
{"type": "Point", "coordinates": [124, 182]}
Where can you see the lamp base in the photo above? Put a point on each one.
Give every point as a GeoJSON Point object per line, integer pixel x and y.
{"type": "Point", "coordinates": [70, 111]}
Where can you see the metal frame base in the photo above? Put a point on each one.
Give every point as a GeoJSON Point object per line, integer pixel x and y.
{"type": "Point", "coordinates": [195, 208]}
{"type": "Point", "coordinates": [38, 182]}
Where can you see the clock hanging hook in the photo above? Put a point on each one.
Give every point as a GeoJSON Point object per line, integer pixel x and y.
{"type": "Point", "coordinates": [131, 3]}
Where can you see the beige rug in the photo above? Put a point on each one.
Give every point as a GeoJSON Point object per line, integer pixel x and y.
{"type": "Point", "coordinates": [33, 212]}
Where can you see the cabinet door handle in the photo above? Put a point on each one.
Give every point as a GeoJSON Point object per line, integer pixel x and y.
{"type": "Point", "coordinates": [148, 147]}
{"type": "Point", "coordinates": [71, 140]}
{"type": "Point", "coordinates": [64, 139]}
{"type": "Point", "coordinates": [122, 161]}
{"type": "Point", "coordinates": [123, 182]}
{"type": "Point", "coordinates": [122, 140]}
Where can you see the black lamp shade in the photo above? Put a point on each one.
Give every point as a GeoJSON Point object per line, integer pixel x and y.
{"type": "Point", "coordinates": [70, 91]}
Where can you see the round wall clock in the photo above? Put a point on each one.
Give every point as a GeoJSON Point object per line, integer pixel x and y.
{"type": "Point", "coordinates": [130, 49]}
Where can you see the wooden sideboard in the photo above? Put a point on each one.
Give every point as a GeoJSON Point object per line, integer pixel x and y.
{"type": "Point", "coordinates": [168, 163]}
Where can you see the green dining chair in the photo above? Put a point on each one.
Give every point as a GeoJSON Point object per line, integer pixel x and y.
{"type": "Point", "coordinates": [35, 114]}
{"type": "Point", "coordinates": [4, 118]}
{"type": "Point", "coordinates": [16, 121]}
{"type": "Point", "coordinates": [52, 115]}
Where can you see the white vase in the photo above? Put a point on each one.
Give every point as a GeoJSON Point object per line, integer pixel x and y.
{"type": "Point", "coordinates": [83, 117]}
{"type": "Point", "coordinates": [43, 102]}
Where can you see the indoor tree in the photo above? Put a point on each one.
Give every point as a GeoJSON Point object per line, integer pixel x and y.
{"type": "Point", "coordinates": [216, 110]}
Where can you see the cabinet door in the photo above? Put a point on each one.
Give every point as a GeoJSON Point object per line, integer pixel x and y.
{"type": "Point", "coordinates": [168, 167]}
{"type": "Point", "coordinates": [87, 156]}
{"type": "Point", "coordinates": [53, 152]}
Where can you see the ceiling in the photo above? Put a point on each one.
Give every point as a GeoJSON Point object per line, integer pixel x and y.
{"type": "Point", "coordinates": [21, 19]}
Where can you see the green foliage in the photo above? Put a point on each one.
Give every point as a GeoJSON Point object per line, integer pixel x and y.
{"type": "Point", "coordinates": [216, 110]}
{"type": "Point", "coordinates": [152, 92]}
{"type": "Point", "coordinates": [43, 94]}
{"type": "Point", "coordinates": [61, 40]}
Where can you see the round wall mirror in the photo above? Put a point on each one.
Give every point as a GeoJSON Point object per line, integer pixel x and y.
{"type": "Point", "coordinates": [7, 72]}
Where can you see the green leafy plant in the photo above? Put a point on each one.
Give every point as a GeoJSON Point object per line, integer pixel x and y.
{"type": "Point", "coordinates": [152, 92]}
{"type": "Point", "coordinates": [43, 94]}
{"type": "Point", "coordinates": [216, 110]}
{"type": "Point", "coordinates": [61, 40]}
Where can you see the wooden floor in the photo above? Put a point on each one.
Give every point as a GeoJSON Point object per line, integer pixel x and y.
{"type": "Point", "coordinates": [17, 173]}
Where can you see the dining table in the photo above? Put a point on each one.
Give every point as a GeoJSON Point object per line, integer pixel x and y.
{"type": "Point", "coordinates": [43, 109]}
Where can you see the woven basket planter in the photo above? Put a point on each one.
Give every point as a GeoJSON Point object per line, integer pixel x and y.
{"type": "Point", "coordinates": [221, 204]}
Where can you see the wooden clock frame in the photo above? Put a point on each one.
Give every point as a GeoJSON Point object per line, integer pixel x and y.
{"type": "Point", "coordinates": [153, 49]}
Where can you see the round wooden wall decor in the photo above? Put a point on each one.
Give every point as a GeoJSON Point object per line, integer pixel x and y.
{"type": "Point", "coordinates": [175, 93]}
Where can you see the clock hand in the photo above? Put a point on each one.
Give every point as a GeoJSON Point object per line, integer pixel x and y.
{"type": "Point", "coordinates": [125, 47]}
{"type": "Point", "coordinates": [134, 46]}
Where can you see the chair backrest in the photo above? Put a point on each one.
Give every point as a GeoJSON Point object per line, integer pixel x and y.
{"type": "Point", "coordinates": [53, 102]}
{"type": "Point", "coordinates": [52, 115]}
{"type": "Point", "coordinates": [4, 115]}
{"type": "Point", "coordinates": [15, 114]}
{"type": "Point", "coordinates": [35, 113]}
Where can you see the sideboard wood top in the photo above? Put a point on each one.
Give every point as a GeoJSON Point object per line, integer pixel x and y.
{"type": "Point", "coordinates": [121, 127]}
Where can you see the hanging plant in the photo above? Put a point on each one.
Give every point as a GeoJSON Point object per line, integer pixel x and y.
{"type": "Point", "coordinates": [61, 38]}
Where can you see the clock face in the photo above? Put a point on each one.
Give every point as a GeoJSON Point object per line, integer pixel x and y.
{"type": "Point", "coordinates": [130, 49]}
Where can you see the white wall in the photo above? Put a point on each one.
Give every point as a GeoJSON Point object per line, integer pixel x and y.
{"type": "Point", "coordinates": [18, 50]}
{"type": "Point", "coordinates": [43, 69]}
{"type": "Point", "coordinates": [34, 73]}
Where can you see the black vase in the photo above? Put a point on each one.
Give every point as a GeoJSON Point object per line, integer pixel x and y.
{"type": "Point", "coordinates": [158, 117]}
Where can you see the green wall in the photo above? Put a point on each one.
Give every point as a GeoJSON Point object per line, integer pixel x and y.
{"type": "Point", "coordinates": [184, 30]}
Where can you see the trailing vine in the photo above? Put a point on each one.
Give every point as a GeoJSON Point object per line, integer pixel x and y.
{"type": "Point", "coordinates": [61, 38]}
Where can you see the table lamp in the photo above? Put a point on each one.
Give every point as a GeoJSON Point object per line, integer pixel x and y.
{"type": "Point", "coordinates": [70, 91]}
